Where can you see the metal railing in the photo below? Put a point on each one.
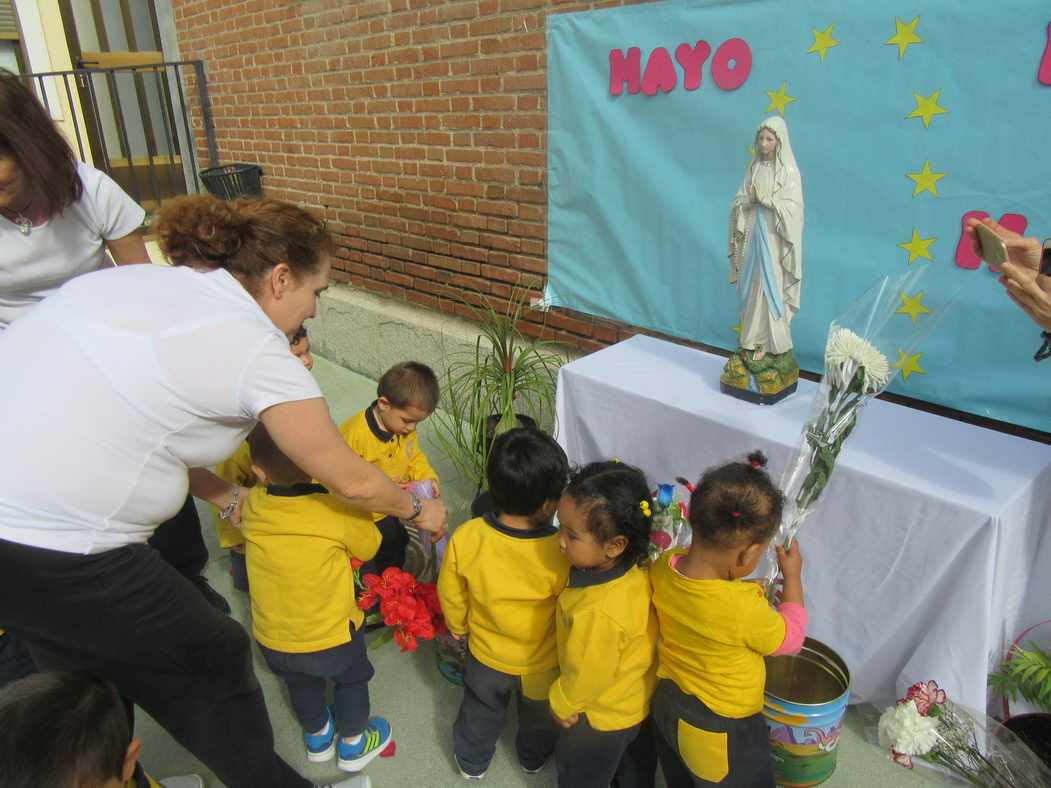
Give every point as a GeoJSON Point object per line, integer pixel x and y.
{"type": "Point", "coordinates": [138, 123]}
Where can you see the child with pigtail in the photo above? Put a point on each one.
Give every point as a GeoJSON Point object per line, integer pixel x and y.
{"type": "Point", "coordinates": [716, 629]}
{"type": "Point", "coordinates": [606, 631]}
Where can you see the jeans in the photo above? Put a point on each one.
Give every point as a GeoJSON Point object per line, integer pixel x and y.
{"type": "Point", "coordinates": [304, 675]}
{"type": "Point", "coordinates": [589, 758]}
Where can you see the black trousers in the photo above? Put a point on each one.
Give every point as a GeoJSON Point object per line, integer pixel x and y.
{"type": "Point", "coordinates": [486, 696]}
{"type": "Point", "coordinates": [180, 541]}
{"type": "Point", "coordinates": [130, 617]}
{"type": "Point", "coordinates": [708, 749]}
{"type": "Point", "coordinates": [589, 758]}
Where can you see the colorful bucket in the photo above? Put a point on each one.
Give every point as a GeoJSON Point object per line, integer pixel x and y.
{"type": "Point", "coordinates": [805, 699]}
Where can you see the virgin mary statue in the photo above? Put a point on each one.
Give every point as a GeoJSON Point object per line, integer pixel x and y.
{"type": "Point", "coordinates": [765, 248]}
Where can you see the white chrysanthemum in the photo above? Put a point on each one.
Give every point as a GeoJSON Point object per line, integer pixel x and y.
{"type": "Point", "coordinates": [846, 351]}
{"type": "Point", "coordinates": [903, 729]}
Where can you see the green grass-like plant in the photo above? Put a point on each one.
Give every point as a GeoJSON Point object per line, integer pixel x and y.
{"type": "Point", "coordinates": [1025, 673]}
{"type": "Point", "coordinates": [506, 373]}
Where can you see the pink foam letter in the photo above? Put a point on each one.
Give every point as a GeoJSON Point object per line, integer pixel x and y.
{"type": "Point", "coordinates": [734, 51]}
{"type": "Point", "coordinates": [660, 73]}
{"type": "Point", "coordinates": [1044, 74]}
{"type": "Point", "coordinates": [692, 60]}
{"type": "Point", "coordinates": [624, 69]}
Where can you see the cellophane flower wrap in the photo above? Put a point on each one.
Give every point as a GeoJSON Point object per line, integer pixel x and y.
{"type": "Point", "coordinates": [862, 341]}
{"type": "Point", "coordinates": [670, 527]}
{"type": "Point", "coordinates": [926, 726]}
{"type": "Point", "coordinates": [410, 609]}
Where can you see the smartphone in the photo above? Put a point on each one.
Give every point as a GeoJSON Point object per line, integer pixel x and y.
{"type": "Point", "coordinates": [994, 250]}
{"type": "Point", "coordinates": [1045, 257]}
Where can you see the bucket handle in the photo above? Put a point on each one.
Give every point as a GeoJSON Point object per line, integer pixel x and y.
{"type": "Point", "coordinates": [1010, 653]}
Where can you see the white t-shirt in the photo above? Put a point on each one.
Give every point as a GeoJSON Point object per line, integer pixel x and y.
{"type": "Point", "coordinates": [72, 243]}
{"type": "Point", "coordinates": [115, 386]}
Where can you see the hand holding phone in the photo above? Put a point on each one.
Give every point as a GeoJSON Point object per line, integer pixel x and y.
{"type": "Point", "coordinates": [994, 250]}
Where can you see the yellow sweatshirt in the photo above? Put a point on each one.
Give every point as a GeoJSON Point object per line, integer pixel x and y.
{"type": "Point", "coordinates": [607, 644]}
{"type": "Point", "coordinates": [398, 456]}
{"type": "Point", "coordinates": [299, 542]}
{"type": "Point", "coordinates": [501, 585]}
{"type": "Point", "coordinates": [236, 470]}
{"type": "Point", "coordinates": [714, 634]}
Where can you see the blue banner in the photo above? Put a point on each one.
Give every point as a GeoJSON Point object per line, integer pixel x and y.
{"type": "Point", "coordinates": [904, 120]}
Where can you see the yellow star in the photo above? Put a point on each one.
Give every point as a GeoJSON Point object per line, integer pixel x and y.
{"type": "Point", "coordinates": [908, 364]}
{"type": "Point", "coordinates": [927, 108]}
{"type": "Point", "coordinates": [904, 35]}
{"type": "Point", "coordinates": [737, 328]}
{"type": "Point", "coordinates": [779, 99]}
{"type": "Point", "coordinates": [926, 180]}
{"type": "Point", "coordinates": [823, 41]}
{"type": "Point", "coordinates": [918, 247]}
{"type": "Point", "coordinates": [912, 306]}
{"type": "Point", "coordinates": [751, 152]}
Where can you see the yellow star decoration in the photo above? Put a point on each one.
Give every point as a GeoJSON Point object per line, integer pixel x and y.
{"type": "Point", "coordinates": [779, 99]}
{"type": "Point", "coordinates": [737, 328]}
{"type": "Point", "coordinates": [904, 35]}
{"type": "Point", "coordinates": [918, 247]}
{"type": "Point", "coordinates": [912, 306]}
{"type": "Point", "coordinates": [926, 181]}
{"type": "Point", "coordinates": [908, 364]}
{"type": "Point", "coordinates": [927, 108]}
{"type": "Point", "coordinates": [823, 41]}
{"type": "Point", "coordinates": [751, 152]}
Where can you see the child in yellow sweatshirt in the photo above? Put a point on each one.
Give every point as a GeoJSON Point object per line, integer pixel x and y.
{"type": "Point", "coordinates": [607, 631]}
{"type": "Point", "coordinates": [499, 582]}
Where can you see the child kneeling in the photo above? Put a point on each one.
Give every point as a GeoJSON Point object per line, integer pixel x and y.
{"type": "Point", "coordinates": [299, 540]}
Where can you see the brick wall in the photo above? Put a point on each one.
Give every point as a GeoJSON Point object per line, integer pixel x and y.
{"type": "Point", "coordinates": [417, 128]}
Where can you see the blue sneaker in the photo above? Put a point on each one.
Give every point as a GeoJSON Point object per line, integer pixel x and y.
{"type": "Point", "coordinates": [374, 739]}
{"type": "Point", "coordinates": [322, 746]}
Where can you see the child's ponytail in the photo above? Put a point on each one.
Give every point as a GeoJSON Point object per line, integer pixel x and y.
{"type": "Point", "coordinates": [736, 502]}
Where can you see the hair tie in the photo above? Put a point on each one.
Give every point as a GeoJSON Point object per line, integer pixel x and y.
{"type": "Point", "coordinates": [735, 514]}
{"type": "Point", "coordinates": [645, 506]}
{"type": "Point", "coordinates": [755, 463]}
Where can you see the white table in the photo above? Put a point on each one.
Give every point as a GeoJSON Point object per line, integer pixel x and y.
{"type": "Point", "coordinates": [929, 550]}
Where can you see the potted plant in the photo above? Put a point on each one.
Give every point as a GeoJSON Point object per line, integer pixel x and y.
{"type": "Point", "coordinates": [1026, 673]}
{"type": "Point", "coordinates": [505, 380]}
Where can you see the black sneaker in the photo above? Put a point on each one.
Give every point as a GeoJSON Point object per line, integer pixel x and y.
{"type": "Point", "coordinates": [215, 599]}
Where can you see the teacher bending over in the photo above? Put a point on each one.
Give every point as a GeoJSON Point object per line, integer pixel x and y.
{"type": "Point", "coordinates": [122, 388]}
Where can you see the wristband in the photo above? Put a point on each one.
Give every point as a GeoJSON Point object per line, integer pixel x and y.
{"type": "Point", "coordinates": [227, 513]}
{"type": "Point", "coordinates": [1045, 348]}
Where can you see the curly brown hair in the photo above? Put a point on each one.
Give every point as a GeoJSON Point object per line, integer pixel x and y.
{"type": "Point", "coordinates": [31, 138]}
{"type": "Point", "coordinates": [245, 237]}
{"type": "Point", "coordinates": [736, 503]}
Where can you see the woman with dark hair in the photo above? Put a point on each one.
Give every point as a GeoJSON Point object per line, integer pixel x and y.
{"type": "Point", "coordinates": [172, 368]}
{"type": "Point", "coordinates": [58, 216]}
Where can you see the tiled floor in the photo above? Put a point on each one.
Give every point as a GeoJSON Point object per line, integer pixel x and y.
{"type": "Point", "coordinates": [421, 705]}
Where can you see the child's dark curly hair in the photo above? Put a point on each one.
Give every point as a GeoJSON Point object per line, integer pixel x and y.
{"type": "Point", "coordinates": [615, 501]}
{"type": "Point", "coordinates": [736, 503]}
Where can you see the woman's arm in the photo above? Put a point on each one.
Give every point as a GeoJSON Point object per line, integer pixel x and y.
{"type": "Point", "coordinates": [304, 431]}
{"type": "Point", "coordinates": [128, 250]}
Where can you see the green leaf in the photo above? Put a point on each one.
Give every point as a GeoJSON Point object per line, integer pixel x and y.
{"type": "Point", "coordinates": [384, 636]}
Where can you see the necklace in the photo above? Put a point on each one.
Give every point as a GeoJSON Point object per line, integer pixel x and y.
{"type": "Point", "coordinates": [25, 226]}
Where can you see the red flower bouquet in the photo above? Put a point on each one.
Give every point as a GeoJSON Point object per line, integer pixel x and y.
{"type": "Point", "coordinates": [409, 608]}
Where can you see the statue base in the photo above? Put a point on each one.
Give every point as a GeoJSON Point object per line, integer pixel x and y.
{"type": "Point", "coordinates": [763, 382]}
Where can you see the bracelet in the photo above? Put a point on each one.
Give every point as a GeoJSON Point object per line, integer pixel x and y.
{"type": "Point", "coordinates": [1045, 348]}
{"type": "Point", "coordinates": [227, 513]}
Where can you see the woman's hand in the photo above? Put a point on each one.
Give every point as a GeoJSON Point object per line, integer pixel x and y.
{"type": "Point", "coordinates": [1025, 252]}
{"type": "Point", "coordinates": [1020, 275]}
{"type": "Point", "coordinates": [433, 517]}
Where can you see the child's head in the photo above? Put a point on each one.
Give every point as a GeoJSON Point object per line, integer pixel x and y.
{"type": "Point", "coordinates": [527, 473]}
{"type": "Point", "coordinates": [301, 347]}
{"type": "Point", "coordinates": [269, 463]}
{"type": "Point", "coordinates": [67, 729]}
{"type": "Point", "coordinates": [605, 516]}
{"type": "Point", "coordinates": [406, 395]}
{"type": "Point", "coordinates": [736, 505]}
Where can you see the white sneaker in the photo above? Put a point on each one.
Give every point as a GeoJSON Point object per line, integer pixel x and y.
{"type": "Point", "coordinates": [357, 781]}
{"type": "Point", "coordinates": [184, 781]}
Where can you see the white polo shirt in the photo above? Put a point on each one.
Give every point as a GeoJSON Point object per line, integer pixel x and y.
{"type": "Point", "coordinates": [115, 386]}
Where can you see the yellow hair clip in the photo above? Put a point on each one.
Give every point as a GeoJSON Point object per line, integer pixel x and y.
{"type": "Point", "coordinates": [645, 506]}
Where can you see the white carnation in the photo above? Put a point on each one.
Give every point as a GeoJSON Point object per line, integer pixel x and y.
{"type": "Point", "coordinates": [846, 351]}
{"type": "Point", "coordinates": [903, 729]}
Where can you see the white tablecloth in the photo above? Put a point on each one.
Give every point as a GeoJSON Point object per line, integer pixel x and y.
{"type": "Point", "coordinates": [929, 549]}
